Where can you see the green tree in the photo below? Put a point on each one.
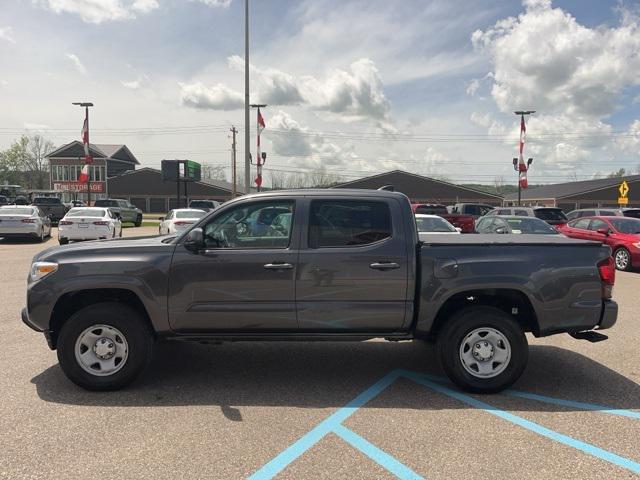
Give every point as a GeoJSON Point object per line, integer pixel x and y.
{"type": "Point", "coordinates": [620, 173]}
{"type": "Point", "coordinates": [25, 163]}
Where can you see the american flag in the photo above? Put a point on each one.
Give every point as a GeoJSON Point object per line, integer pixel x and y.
{"type": "Point", "coordinates": [522, 167]}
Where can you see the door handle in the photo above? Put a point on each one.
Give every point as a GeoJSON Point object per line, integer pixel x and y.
{"type": "Point", "coordinates": [278, 266]}
{"type": "Point", "coordinates": [384, 266]}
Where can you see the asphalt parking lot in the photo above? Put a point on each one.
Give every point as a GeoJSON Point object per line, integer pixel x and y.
{"type": "Point", "coordinates": [318, 410]}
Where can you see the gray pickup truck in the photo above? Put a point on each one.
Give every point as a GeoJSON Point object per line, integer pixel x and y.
{"type": "Point", "coordinates": [317, 265]}
{"type": "Point", "coordinates": [122, 208]}
{"type": "Point", "coordinates": [51, 207]}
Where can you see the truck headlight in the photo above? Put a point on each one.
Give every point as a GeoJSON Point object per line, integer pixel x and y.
{"type": "Point", "coordinates": [42, 269]}
{"type": "Point", "coordinates": [637, 244]}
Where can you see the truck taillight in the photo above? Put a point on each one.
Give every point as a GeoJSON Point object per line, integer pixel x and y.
{"type": "Point", "coordinates": [607, 271]}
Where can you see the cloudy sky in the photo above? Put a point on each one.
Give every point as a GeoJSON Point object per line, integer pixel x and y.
{"type": "Point", "coordinates": [353, 87]}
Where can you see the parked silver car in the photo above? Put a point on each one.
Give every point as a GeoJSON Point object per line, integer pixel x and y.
{"type": "Point", "coordinates": [24, 221]}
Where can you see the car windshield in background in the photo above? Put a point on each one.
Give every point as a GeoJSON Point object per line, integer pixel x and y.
{"type": "Point", "coordinates": [434, 225]}
{"type": "Point", "coordinates": [530, 225]}
{"type": "Point", "coordinates": [202, 203]}
{"type": "Point", "coordinates": [86, 212]}
{"type": "Point", "coordinates": [191, 214]}
{"type": "Point", "coordinates": [550, 215]}
{"type": "Point", "coordinates": [46, 200]}
{"type": "Point", "coordinates": [106, 203]}
{"type": "Point", "coordinates": [432, 210]}
{"type": "Point", "coordinates": [16, 211]}
{"type": "Point", "coordinates": [626, 225]}
{"type": "Point", "coordinates": [633, 212]}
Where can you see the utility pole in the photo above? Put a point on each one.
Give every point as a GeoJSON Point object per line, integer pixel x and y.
{"type": "Point", "coordinates": [234, 130]}
{"type": "Point", "coordinates": [247, 146]}
{"type": "Point", "coordinates": [518, 163]}
{"type": "Point", "coordinates": [88, 159]}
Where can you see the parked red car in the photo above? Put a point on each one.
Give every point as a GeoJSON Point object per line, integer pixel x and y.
{"type": "Point", "coordinates": [622, 234]}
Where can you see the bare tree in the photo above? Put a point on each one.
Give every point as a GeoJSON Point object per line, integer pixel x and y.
{"type": "Point", "coordinates": [36, 163]}
{"type": "Point", "coordinates": [213, 172]}
{"type": "Point", "coordinates": [312, 179]}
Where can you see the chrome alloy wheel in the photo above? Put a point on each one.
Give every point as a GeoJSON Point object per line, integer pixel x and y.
{"type": "Point", "coordinates": [622, 259]}
{"type": "Point", "coordinates": [101, 350]}
{"type": "Point", "coordinates": [485, 352]}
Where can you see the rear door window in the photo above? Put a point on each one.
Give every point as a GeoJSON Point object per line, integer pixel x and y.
{"type": "Point", "coordinates": [348, 223]}
{"type": "Point", "coordinates": [597, 225]}
{"type": "Point", "coordinates": [521, 213]}
{"type": "Point", "coordinates": [582, 223]}
{"type": "Point", "coordinates": [550, 214]}
{"type": "Point", "coordinates": [608, 213]}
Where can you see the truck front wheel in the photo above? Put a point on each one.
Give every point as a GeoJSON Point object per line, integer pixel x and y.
{"type": "Point", "coordinates": [482, 349]}
{"type": "Point", "coordinates": [104, 346]}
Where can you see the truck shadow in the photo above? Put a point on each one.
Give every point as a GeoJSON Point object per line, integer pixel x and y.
{"type": "Point", "coordinates": [329, 375]}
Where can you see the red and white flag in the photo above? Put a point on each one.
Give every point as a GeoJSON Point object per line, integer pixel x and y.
{"type": "Point", "coordinates": [84, 174]}
{"type": "Point", "coordinates": [522, 167]}
{"type": "Point", "coordinates": [85, 137]}
{"type": "Point", "coordinates": [260, 123]}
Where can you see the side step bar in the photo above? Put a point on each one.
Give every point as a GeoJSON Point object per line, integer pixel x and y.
{"type": "Point", "coordinates": [589, 335]}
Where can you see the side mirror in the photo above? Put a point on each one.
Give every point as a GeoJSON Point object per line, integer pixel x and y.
{"type": "Point", "coordinates": [458, 229]}
{"type": "Point", "coordinates": [194, 240]}
{"type": "Point", "coordinates": [501, 230]}
{"type": "Point", "coordinates": [603, 231]}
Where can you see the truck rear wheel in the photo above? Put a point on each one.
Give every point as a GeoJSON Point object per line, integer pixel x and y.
{"type": "Point", "coordinates": [138, 221]}
{"type": "Point", "coordinates": [482, 349]}
{"type": "Point", "coordinates": [104, 346]}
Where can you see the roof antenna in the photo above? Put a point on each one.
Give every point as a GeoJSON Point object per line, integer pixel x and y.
{"type": "Point", "coordinates": [388, 188]}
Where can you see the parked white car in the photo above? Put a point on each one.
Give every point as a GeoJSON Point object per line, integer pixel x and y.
{"type": "Point", "coordinates": [433, 224]}
{"type": "Point", "coordinates": [88, 223]}
{"type": "Point", "coordinates": [179, 219]}
{"type": "Point", "coordinates": [28, 221]}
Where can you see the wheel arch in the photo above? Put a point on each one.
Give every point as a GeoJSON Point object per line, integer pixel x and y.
{"type": "Point", "coordinates": [511, 301]}
{"type": "Point", "coordinates": [71, 302]}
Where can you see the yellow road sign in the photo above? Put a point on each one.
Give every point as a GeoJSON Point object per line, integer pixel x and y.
{"type": "Point", "coordinates": [624, 189]}
{"type": "Point", "coordinates": [623, 201]}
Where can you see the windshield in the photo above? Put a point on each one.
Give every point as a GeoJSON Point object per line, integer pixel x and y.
{"type": "Point", "coordinates": [626, 225]}
{"type": "Point", "coordinates": [434, 224]}
{"type": "Point", "coordinates": [190, 214]}
{"type": "Point", "coordinates": [530, 225]}
{"type": "Point", "coordinates": [550, 214]}
{"type": "Point", "coordinates": [85, 212]}
{"type": "Point", "coordinates": [106, 203]}
{"type": "Point", "coordinates": [432, 209]}
{"type": "Point", "coordinates": [202, 203]}
{"type": "Point", "coordinates": [16, 211]}
{"type": "Point", "coordinates": [46, 200]}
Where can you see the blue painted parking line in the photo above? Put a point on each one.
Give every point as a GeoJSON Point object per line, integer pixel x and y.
{"type": "Point", "coordinates": [333, 424]}
{"type": "Point", "coordinates": [532, 426]}
{"type": "Point", "coordinates": [374, 453]}
{"type": "Point", "coordinates": [328, 425]}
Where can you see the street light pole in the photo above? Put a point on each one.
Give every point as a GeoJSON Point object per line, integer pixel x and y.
{"type": "Point", "coordinates": [247, 140]}
{"type": "Point", "coordinates": [88, 160]}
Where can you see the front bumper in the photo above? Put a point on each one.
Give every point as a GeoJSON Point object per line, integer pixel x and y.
{"type": "Point", "coordinates": [47, 333]}
{"type": "Point", "coordinates": [609, 315]}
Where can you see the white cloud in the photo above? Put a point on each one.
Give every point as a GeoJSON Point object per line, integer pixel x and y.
{"type": "Point", "coordinates": [82, 70]}
{"type": "Point", "coordinates": [144, 6]}
{"type": "Point", "coordinates": [98, 11]}
{"type": "Point", "coordinates": [473, 87]}
{"type": "Point", "coordinates": [216, 97]}
{"type": "Point", "coordinates": [545, 60]}
{"type": "Point", "coordinates": [6, 34]}
{"type": "Point", "coordinates": [630, 140]}
{"type": "Point", "coordinates": [215, 3]}
{"type": "Point", "coordinates": [136, 84]}
{"type": "Point", "coordinates": [39, 127]}
{"type": "Point", "coordinates": [354, 94]}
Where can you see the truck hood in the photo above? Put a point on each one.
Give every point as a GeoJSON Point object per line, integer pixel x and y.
{"type": "Point", "coordinates": [104, 246]}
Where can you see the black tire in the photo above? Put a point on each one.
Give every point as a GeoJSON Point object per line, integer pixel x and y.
{"type": "Point", "coordinates": [454, 333]}
{"type": "Point", "coordinates": [41, 237]}
{"type": "Point", "coordinates": [620, 263]}
{"type": "Point", "coordinates": [138, 221]}
{"type": "Point", "coordinates": [113, 314]}
{"type": "Point", "coordinates": [63, 241]}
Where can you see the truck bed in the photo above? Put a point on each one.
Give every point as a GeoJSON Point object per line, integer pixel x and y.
{"type": "Point", "coordinates": [504, 239]}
